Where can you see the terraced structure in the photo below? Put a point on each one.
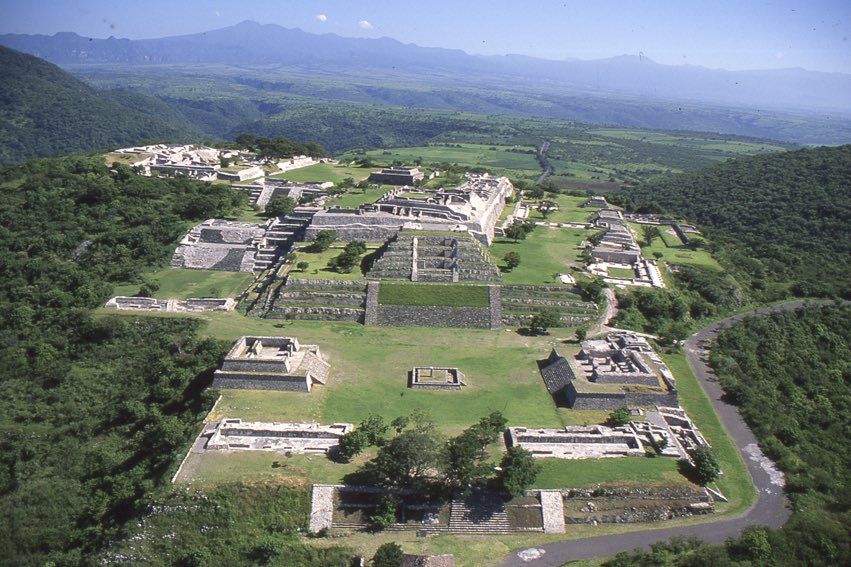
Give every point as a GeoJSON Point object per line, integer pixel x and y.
{"type": "Point", "coordinates": [521, 302]}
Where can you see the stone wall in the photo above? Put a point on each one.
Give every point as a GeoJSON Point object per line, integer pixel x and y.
{"type": "Point", "coordinates": [495, 306]}
{"type": "Point", "coordinates": [249, 381]}
{"type": "Point", "coordinates": [371, 316]}
{"type": "Point", "coordinates": [433, 316]}
{"type": "Point", "coordinates": [614, 400]}
{"type": "Point", "coordinates": [254, 365]}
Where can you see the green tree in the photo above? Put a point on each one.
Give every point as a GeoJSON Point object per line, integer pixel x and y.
{"type": "Point", "coordinates": [518, 471]}
{"type": "Point", "coordinates": [543, 320]}
{"type": "Point", "coordinates": [546, 207]}
{"type": "Point", "coordinates": [650, 232]}
{"type": "Point", "coordinates": [279, 206]}
{"type": "Point", "coordinates": [619, 417]}
{"type": "Point", "coordinates": [303, 266]}
{"type": "Point", "coordinates": [323, 241]}
{"type": "Point", "coordinates": [407, 458]}
{"type": "Point", "coordinates": [352, 444]}
{"type": "Point", "coordinates": [512, 260]}
{"type": "Point", "coordinates": [706, 467]}
{"type": "Point", "coordinates": [384, 514]}
{"type": "Point", "coordinates": [374, 428]}
{"type": "Point", "coordinates": [516, 232]}
{"type": "Point", "coordinates": [387, 555]}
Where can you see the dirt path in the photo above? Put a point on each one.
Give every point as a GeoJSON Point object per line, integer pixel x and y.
{"type": "Point", "coordinates": [771, 508]}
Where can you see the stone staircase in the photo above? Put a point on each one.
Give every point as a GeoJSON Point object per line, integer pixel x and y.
{"type": "Point", "coordinates": [281, 235]}
{"type": "Point", "coordinates": [479, 514]}
{"type": "Point", "coordinates": [520, 303]}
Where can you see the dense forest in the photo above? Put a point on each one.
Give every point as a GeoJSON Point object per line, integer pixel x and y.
{"type": "Point", "coordinates": [780, 222]}
{"type": "Point", "coordinates": [92, 410]}
{"type": "Point", "coordinates": [45, 111]}
{"type": "Point", "coordinates": [789, 374]}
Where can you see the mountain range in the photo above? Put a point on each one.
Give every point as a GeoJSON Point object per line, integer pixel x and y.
{"type": "Point", "coordinates": [254, 44]}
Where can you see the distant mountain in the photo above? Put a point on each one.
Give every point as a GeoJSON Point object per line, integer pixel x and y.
{"type": "Point", "coordinates": [250, 43]}
{"type": "Point", "coordinates": [46, 111]}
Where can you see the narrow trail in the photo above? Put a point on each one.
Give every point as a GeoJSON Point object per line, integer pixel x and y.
{"type": "Point", "coordinates": [548, 169]}
{"type": "Point", "coordinates": [771, 507]}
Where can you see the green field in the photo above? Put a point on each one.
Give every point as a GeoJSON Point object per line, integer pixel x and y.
{"type": "Point", "coordinates": [677, 254]}
{"type": "Point", "coordinates": [569, 210]}
{"type": "Point", "coordinates": [424, 294]}
{"type": "Point", "coordinates": [318, 261]}
{"type": "Point", "coordinates": [354, 198]}
{"type": "Point", "coordinates": [498, 159]}
{"type": "Point", "coordinates": [182, 284]}
{"type": "Point", "coordinates": [622, 273]}
{"type": "Point", "coordinates": [544, 254]}
{"type": "Point", "coordinates": [325, 172]}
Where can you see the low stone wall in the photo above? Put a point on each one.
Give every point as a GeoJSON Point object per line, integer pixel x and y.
{"type": "Point", "coordinates": [495, 306]}
{"type": "Point", "coordinates": [614, 400]}
{"type": "Point", "coordinates": [371, 315]}
{"type": "Point", "coordinates": [433, 316]}
{"type": "Point", "coordinates": [261, 382]}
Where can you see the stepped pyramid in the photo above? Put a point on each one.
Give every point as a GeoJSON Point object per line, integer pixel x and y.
{"type": "Point", "coordinates": [423, 257]}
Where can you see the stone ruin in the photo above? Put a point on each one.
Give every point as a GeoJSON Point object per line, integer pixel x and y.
{"type": "Point", "coordinates": [272, 363]}
{"type": "Point", "coordinates": [219, 245]}
{"type": "Point", "coordinates": [620, 370]}
{"type": "Point", "coordinates": [578, 442]}
{"type": "Point", "coordinates": [195, 304]}
{"type": "Point", "coordinates": [448, 257]}
{"type": "Point", "coordinates": [261, 192]}
{"type": "Point", "coordinates": [435, 378]}
{"type": "Point", "coordinates": [667, 431]}
{"type": "Point", "coordinates": [279, 437]}
{"type": "Point", "coordinates": [473, 207]}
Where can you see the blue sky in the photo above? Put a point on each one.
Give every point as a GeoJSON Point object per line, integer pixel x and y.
{"type": "Point", "coordinates": [738, 34]}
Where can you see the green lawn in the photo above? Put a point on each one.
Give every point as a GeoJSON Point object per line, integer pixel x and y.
{"type": "Point", "coordinates": [325, 172]}
{"type": "Point", "coordinates": [354, 198]}
{"type": "Point", "coordinates": [318, 261]}
{"type": "Point", "coordinates": [544, 253]}
{"type": "Point", "coordinates": [424, 294]}
{"type": "Point", "coordinates": [569, 210]}
{"type": "Point", "coordinates": [736, 481]}
{"type": "Point", "coordinates": [622, 273]}
{"type": "Point", "coordinates": [472, 155]}
{"type": "Point", "coordinates": [561, 473]}
{"type": "Point", "coordinates": [675, 254]}
{"type": "Point", "coordinates": [178, 283]}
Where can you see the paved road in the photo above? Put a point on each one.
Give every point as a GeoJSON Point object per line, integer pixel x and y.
{"type": "Point", "coordinates": [771, 508]}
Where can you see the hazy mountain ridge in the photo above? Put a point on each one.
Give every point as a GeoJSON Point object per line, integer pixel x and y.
{"type": "Point", "coordinates": [250, 43]}
{"type": "Point", "coordinates": [46, 111]}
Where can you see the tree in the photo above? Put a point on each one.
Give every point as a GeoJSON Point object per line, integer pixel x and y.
{"type": "Point", "coordinates": [406, 458]}
{"type": "Point", "coordinates": [323, 240]}
{"type": "Point", "coordinates": [650, 232]}
{"type": "Point", "coordinates": [543, 320]}
{"type": "Point", "coordinates": [515, 232]}
{"type": "Point", "coordinates": [518, 471]}
{"type": "Point", "coordinates": [303, 266]}
{"type": "Point", "coordinates": [388, 555]}
{"type": "Point", "coordinates": [706, 467]}
{"type": "Point", "coordinates": [512, 260]}
{"type": "Point", "coordinates": [546, 207]}
{"type": "Point", "coordinates": [619, 417]}
{"type": "Point", "coordinates": [581, 333]}
{"type": "Point", "coordinates": [352, 443]}
{"type": "Point", "coordinates": [591, 288]}
{"type": "Point", "coordinates": [279, 206]}
{"type": "Point", "coordinates": [355, 247]}
{"type": "Point", "coordinates": [536, 192]}
{"type": "Point", "coordinates": [374, 428]}
{"type": "Point", "coordinates": [384, 514]}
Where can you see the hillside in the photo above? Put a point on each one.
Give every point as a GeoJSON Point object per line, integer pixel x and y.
{"type": "Point", "coordinates": [45, 111]}
{"type": "Point", "coordinates": [781, 220]}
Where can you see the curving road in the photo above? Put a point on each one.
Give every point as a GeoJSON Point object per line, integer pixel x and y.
{"type": "Point", "coordinates": [770, 509]}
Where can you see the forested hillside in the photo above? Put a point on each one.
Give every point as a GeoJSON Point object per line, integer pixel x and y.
{"type": "Point", "coordinates": [45, 111]}
{"type": "Point", "coordinates": [789, 374]}
{"type": "Point", "coordinates": [92, 410]}
{"type": "Point", "coordinates": [780, 221]}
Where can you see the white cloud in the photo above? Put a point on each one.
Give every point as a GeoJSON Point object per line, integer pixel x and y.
{"type": "Point", "coordinates": [322, 17]}
{"type": "Point", "coordinates": [779, 55]}
{"type": "Point", "coordinates": [364, 25]}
